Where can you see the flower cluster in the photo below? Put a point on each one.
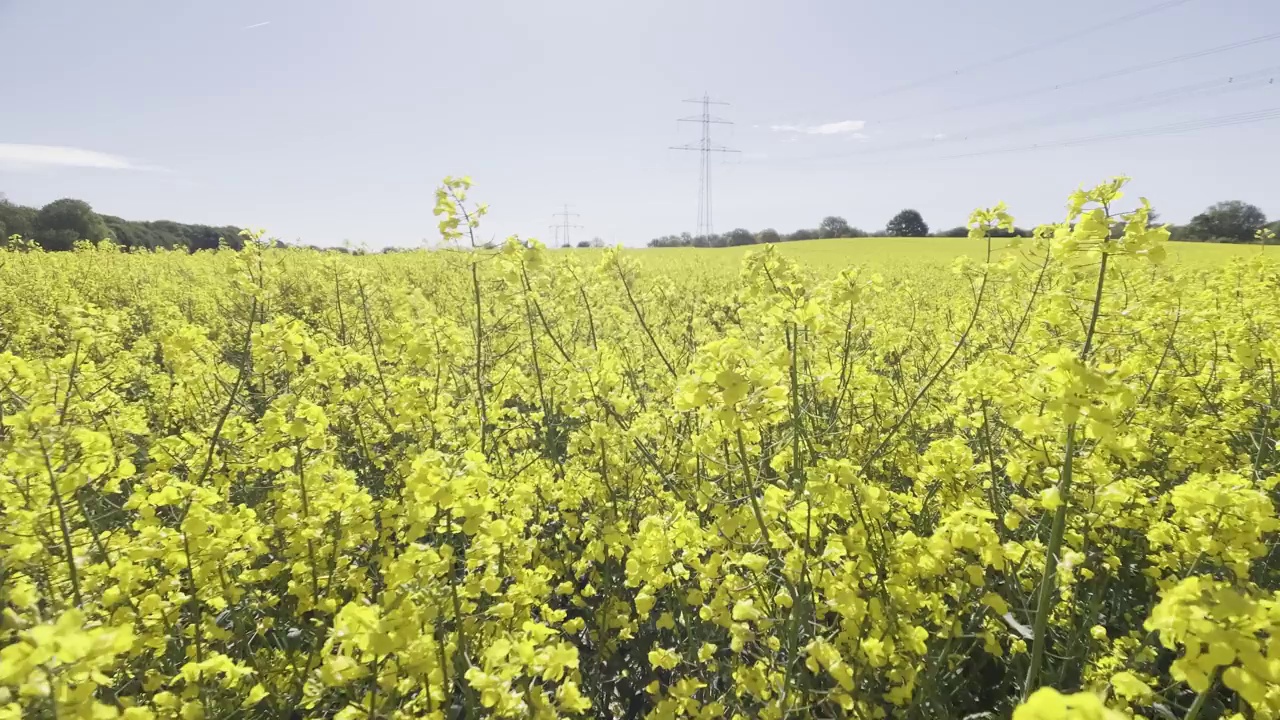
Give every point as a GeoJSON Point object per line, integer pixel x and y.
{"type": "Point", "coordinates": [516, 482]}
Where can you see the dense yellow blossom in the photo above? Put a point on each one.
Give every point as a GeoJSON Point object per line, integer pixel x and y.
{"type": "Point", "coordinates": [1037, 483]}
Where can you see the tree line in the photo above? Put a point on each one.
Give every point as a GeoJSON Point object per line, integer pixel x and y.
{"type": "Point", "coordinates": [1232, 221]}
{"type": "Point", "coordinates": [61, 223]}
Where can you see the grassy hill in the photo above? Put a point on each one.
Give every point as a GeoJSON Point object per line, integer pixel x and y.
{"type": "Point", "coordinates": [840, 253]}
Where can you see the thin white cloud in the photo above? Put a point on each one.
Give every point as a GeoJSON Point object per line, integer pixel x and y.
{"type": "Point", "coordinates": [256, 25]}
{"type": "Point", "coordinates": [19, 157]}
{"type": "Point", "coordinates": [935, 136]}
{"type": "Point", "coordinates": [844, 127]}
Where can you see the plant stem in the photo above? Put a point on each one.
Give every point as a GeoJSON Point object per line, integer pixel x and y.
{"type": "Point", "coordinates": [751, 494]}
{"type": "Point", "coordinates": [1048, 581]}
{"type": "Point", "coordinates": [479, 364]}
{"type": "Point", "coordinates": [1198, 705]}
{"type": "Point", "coordinates": [64, 526]}
{"type": "Point", "coordinates": [797, 423]}
{"type": "Point", "coordinates": [626, 285]}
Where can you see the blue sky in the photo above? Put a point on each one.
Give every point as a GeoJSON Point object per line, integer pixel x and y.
{"type": "Point", "coordinates": [330, 121]}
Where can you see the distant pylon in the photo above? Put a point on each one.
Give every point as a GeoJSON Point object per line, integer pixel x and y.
{"type": "Point", "coordinates": [564, 224]}
{"type": "Point", "coordinates": [705, 147]}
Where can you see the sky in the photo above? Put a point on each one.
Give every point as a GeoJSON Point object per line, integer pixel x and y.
{"type": "Point", "coordinates": [326, 121]}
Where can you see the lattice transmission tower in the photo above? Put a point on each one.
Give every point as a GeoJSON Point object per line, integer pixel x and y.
{"type": "Point", "coordinates": [564, 224]}
{"type": "Point", "coordinates": [705, 147]}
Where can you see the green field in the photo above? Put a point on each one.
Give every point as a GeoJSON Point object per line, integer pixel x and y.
{"type": "Point", "coordinates": [836, 254]}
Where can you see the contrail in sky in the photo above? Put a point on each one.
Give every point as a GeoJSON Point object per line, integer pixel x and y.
{"type": "Point", "coordinates": [256, 25]}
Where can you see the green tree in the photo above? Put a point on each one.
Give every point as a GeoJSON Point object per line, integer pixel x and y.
{"type": "Point", "coordinates": [1232, 221]}
{"type": "Point", "coordinates": [740, 236]}
{"type": "Point", "coordinates": [834, 227]}
{"type": "Point", "coordinates": [767, 235]}
{"type": "Point", "coordinates": [62, 222]}
{"type": "Point", "coordinates": [17, 219]}
{"type": "Point", "coordinates": [907, 223]}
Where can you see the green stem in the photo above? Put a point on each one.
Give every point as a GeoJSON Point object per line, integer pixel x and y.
{"type": "Point", "coordinates": [306, 514]}
{"type": "Point", "coordinates": [751, 494]}
{"type": "Point", "coordinates": [1198, 705]}
{"type": "Point", "coordinates": [626, 285]}
{"type": "Point", "coordinates": [797, 423]}
{"type": "Point", "coordinates": [479, 363]}
{"type": "Point", "coordinates": [1048, 581]}
{"type": "Point", "coordinates": [64, 526]}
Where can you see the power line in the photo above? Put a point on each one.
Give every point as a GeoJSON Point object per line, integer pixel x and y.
{"type": "Point", "coordinates": [1262, 78]}
{"type": "Point", "coordinates": [1206, 123]}
{"type": "Point", "coordinates": [705, 226]}
{"type": "Point", "coordinates": [564, 224]}
{"type": "Point", "coordinates": [1027, 50]}
{"type": "Point", "coordinates": [1005, 98]}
